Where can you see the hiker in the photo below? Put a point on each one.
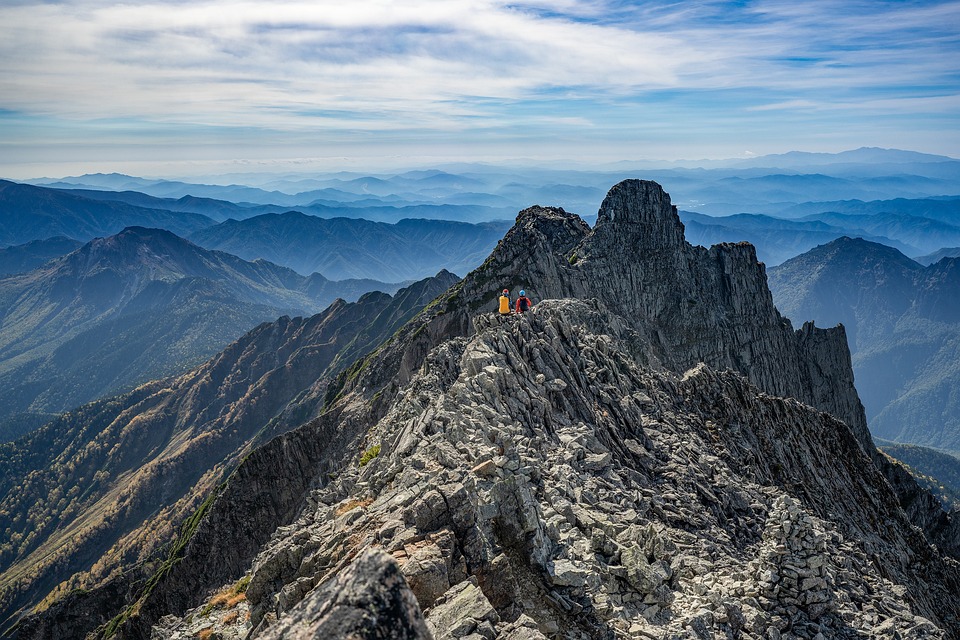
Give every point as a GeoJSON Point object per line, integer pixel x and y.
{"type": "Point", "coordinates": [523, 302]}
{"type": "Point", "coordinates": [505, 303]}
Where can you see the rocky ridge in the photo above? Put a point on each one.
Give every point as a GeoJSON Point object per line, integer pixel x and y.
{"type": "Point", "coordinates": [626, 460]}
{"type": "Point", "coordinates": [141, 464]}
{"type": "Point", "coordinates": [535, 473]}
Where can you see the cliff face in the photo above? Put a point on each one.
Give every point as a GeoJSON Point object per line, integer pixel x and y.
{"type": "Point", "coordinates": [630, 459]}
{"type": "Point", "coordinates": [691, 304]}
{"type": "Point", "coordinates": [903, 321]}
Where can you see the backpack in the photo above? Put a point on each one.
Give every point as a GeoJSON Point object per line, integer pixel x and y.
{"type": "Point", "coordinates": [523, 303]}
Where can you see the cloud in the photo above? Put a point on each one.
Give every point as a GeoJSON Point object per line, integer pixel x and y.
{"type": "Point", "coordinates": [453, 65]}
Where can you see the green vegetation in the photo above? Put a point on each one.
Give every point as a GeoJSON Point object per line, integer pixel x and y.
{"type": "Point", "coordinates": [242, 584]}
{"type": "Point", "coordinates": [369, 455]}
{"type": "Point", "coordinates": [573, 259]}
{"type": "Point", "coordinates": [174, 556]}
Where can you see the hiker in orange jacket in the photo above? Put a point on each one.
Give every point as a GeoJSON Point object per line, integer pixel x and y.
{"type": "Point", "coordinates": [523, 302]}
{"type": "Point", "coordinates": [505, 303]}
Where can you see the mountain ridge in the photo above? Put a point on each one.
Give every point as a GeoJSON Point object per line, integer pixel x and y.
{"type": "Point", "coordinates": [31, 213]}
{"type": "Point", "coordinates": [146, 460]}
{"type": "Point", "coordinates": [134, 306]}
{"type": "Point", "coordinates": [548, 252]}
{"type": "Point", "coordinates": [652, 450]}
{"type": "Point", "coordinates": [904, 326]}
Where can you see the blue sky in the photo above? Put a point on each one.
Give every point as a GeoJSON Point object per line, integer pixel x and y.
{"type": "Point", "coordinates": [177, 87]}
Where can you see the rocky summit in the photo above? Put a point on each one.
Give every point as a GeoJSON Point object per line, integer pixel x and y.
{"type": "Point", "coordinates": [651, 452]}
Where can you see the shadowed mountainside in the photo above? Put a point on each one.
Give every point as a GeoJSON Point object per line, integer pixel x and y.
{"type": "Point", "coordinates": [937, 471]}
{"type": "Point", "coordinates": [27, 257]}
{"type": "Point", "coordinates": [903, 321]}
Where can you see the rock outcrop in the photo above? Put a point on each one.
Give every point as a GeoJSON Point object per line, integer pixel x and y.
{"type": "Point", "coordinates": [369, 600]}
{"type": "Point", "coordinates": [690, 304]}
{"type": "Point", "coordinates": [533, 481]}
{"type": "Point", "coordinates": [653, 451]}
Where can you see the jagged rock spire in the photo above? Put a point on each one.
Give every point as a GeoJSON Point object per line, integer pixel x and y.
{"type": "Point", "coordinates": [642, 210]}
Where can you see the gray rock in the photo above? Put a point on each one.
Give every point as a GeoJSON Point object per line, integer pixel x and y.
{"type": "Point", "coordinates": [723, 485]}
{"type": "Point", "coordinates": [369, 599]}
{"type": "Point", "coordinates": [464, 610]}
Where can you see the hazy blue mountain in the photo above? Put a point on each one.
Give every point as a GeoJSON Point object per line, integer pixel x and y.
{"type": "Point", "coordinates": [26, 257]}
{"type": "Point", "coordinates": [939, 254]}
{"type": "Point", "coordinates": [30, 213]}
{"type": "Point", "coordinates": [219, 203]}
{"type": "Point", "coordinates": [776, 239]}
{"type": "Point", "coordinates": [939, 472]}
{"type": "Point", "coordinates": [781, 192]}
{"type": "Point", "coordinates": [903, 324]}
{"type": "Point", "coordinates": [392, 214]}
{"type": "Point", "coordinates": [767, 185]}
{"type": "Point", "coordinates": [218, 210]}
{"type": "Point", "coordinates": [171, 189]}
{"type": "Point", "coordinates": [464, 207]}
{"type": "Point", "coordinates": [942, 209]}
{"type": "Point", "coordinates": [924, 234]}
{"type": "Point", "coordinates": [347, 248]}
{"type": "Point", "coordinates": [914, 227]}
{"type": "Point", "coordinates": [109, 181]}
{"type": "Point", "coordinates": [133, 307]}
{"type": "Point", "coordinates": [367, 191]}
{"type": "Point", "coordinates": [863, 155]}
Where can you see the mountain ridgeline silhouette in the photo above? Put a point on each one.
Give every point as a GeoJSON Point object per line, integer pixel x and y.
{"type": "Point", "coordinates": [31, 213]}
{"type": "Point", "coordinates": [343, 248]}
{"type": "Point", "coordinates": [652, 450]}
{"type": "Point", "coordinates": [139, 305]}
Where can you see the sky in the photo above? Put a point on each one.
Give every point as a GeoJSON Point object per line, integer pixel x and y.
{"type": "Point", "coordinates": [189, 87]}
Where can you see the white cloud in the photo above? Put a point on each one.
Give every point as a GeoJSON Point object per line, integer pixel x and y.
{"type": "Point", "coordinates": [447, 65]}
{"type": "Point", "coordinates": [89, 61]}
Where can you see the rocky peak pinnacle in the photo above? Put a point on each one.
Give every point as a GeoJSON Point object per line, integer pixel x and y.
{"type": "Point", "coordinates": [643, 208]}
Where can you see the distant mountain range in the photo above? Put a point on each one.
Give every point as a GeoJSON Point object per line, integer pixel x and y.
{"type": "Point", "coordinates": [337, 247]}
{"type": "Point", "coordinates": [342, 248]}
{"type": "Point", "coordinates": [133, 307]}
{"type": "Point", "coordinates": [863, 155]}
{"type": "Point", "coordinates": [368, 198]}
{"type": "Point", "coordinates": [477, 192]}
{"type": "Point", "coordinates": [884, 195]}
{"type": "Point", "coordinates": [34, 213]}
{"type": "Point", "coordinates": [27, 257]}
{"type": "Point", "coordinates": [915, 227]}
{"type": "Point", "coordinates": [903, 325]}
{"type": "Point", "coordinates": [109, 481]}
